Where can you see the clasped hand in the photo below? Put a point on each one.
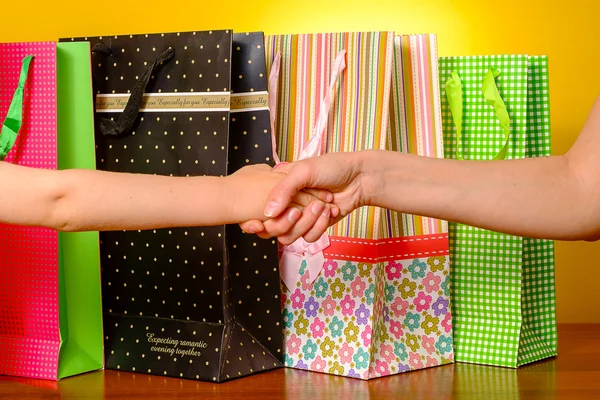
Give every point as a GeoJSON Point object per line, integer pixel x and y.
{"type": "Point", "coordinates": [313, 195]}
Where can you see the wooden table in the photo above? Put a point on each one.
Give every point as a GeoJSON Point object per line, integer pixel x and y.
{"type": "Point", "coordinates": [575, 374]}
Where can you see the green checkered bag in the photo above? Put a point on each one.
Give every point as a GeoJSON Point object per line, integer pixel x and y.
{"type": "Point", "coordinates": [503, 288]}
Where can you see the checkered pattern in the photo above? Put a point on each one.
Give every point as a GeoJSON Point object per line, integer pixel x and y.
{"type": "Point", "coordinates": [482, 135]}
{"type": "Point", "coordinates": [502, 286]}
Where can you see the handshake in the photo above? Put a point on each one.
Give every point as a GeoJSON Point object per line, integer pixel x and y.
{"type": "Point", "coordinates": [305, 197]}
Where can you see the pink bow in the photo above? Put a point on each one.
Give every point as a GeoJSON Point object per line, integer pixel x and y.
{"type": "Point", "coordinates": [301, 250]}
{"type": "Point", "coordinates": [293, 255]}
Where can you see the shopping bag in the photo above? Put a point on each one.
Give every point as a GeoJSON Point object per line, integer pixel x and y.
{"type": "Point", "coordinates": [199, 303]}
{"type": "Point", "coordinates": [50, 316]}
{"type": "Point", "coordinates": [503, 290]}
{"type": "Point", "coordinates": [415, 120]}
{"type": "Point", "coordinates": [363, 301]}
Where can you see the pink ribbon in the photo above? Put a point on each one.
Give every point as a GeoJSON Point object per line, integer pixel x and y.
{"type": "Point", "coordinates": [315, 145]}
{"type": "Point", "coordinates": [301, 250]}
{"type": "Point", "coordinates": [293, 255]}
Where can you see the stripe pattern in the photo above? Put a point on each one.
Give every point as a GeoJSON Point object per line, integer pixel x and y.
{"type": "Point", "coordinates": [415, 120]}
{"type": "Point", "coordinates": [358, 118]}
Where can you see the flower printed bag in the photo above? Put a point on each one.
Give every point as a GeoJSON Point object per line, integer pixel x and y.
{"type": "Point", "coordinates": [369, 298]}
{"type": "Point", "coordinates": [372, 316]}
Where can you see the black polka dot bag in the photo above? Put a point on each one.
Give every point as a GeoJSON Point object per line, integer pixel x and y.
{"type": "Point", "coordinates": [197, 303]}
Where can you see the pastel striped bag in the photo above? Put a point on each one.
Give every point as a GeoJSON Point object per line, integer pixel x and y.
{"type": "Point", "coordinates": [365, 300]}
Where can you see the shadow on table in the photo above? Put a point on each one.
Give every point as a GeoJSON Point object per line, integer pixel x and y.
{"type": "Point", "coordinates": [457, 381]}
{"type": "Point", "coordinates": [89, 386]}
{"type": "Point", "coordinates": [533, 381]}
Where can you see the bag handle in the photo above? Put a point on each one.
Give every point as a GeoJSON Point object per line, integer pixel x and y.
{"type": "Point", "coordinates": [125, 121]}
{"type": "Point", "coordinates": [293, 255]}
{"type": "Point", "coordinates": [14, 118]}
{"type": "Point", "coordinates": [492, 96]}
{"type": "Point", "coordinates": [314, 146]}
{"type": "Point", "coordinates": [273, 87]}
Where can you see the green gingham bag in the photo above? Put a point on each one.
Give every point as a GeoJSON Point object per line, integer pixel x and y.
{"type": "Point", "coordinates": [503, 289]}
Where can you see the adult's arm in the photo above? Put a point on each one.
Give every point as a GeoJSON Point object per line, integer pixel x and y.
{"type": "Point", "coordinates": [553, 197]}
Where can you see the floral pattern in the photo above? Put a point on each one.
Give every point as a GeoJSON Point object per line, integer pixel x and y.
{"type": "Point", "coordinates": [346, 353]}
{"type": "Point", "coordinates": [358, 287]}
{"type": "Point", "coordinates": [347, 305]}
{"type": "Point", "coordinates": [336, 327]}
{"type": "Point", "coordinates": [400, 306]}
{"type": "Point", "coordinates": [393, 270]}
{"type": "Point", "coordinates": [321, 288]}
{"type": "Point", "coordinates": [412, 321]}
{"type": "Point", "coordinates": [422, 302]}
{"type": "Point", "coordinates": [311, 307]}
{"type": "Point", "coordinates": [436, 263]}
{"type": "Point", "coordinates": [417, 269]}
{"type": "Point", "coordinates": [348, 271]}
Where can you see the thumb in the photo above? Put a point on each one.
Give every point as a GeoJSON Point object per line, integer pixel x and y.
{"type": "Point", "coordinates": [298, 177]}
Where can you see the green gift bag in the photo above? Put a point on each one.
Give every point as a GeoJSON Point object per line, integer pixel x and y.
{"type": "Point", "coordinates": [503, 291]}
{"type": "Point", "coordinates": [80, 310]}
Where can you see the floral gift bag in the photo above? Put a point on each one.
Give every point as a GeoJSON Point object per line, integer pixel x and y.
{"type": "Point", "coordinates": [371, 317]}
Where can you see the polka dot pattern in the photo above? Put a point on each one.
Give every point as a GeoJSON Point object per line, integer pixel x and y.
{"type": "Point", "coordinates": [201, 63]}
{"type": "Point", "coordinates": [248, 70]}
{"type": "Point", "coordinates": [29, 326]}
{"type": "Point", "coordinates": [185, 302]}
{"type": "Point", "coordinates": [250, 132]}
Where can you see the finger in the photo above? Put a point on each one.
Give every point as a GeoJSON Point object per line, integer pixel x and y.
{"type": "Point", "coordinates": [309, 217]}
{"type": "Point", "coordinates": [321, 194]}
{"type": "Point", "coordinates": [304, 198]}
{"type": "Point", "coordinates": [335, 210]}
{"type": "Point", "coordinates": [307, 196]}
{"type": "Point", "coordinates": [282, 194]}
{"type": "Point", "coordinates": [320, 226]}
{"type": "Point", "coordinates": [254, 226]}
{"type": "Point", "coordinates": [281, 224]}
{"type": "Point", "coordinates": [264, 235]}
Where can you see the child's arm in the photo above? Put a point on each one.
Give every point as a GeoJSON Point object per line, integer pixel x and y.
{"type": "Point", "coordinates": [80, 200]}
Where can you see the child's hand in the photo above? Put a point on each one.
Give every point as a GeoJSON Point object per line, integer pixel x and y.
{"type": "Point", "coordinates": [254, 183]}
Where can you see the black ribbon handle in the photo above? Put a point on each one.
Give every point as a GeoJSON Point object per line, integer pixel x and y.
{"type": "Point", "coordinates": [124, 124]}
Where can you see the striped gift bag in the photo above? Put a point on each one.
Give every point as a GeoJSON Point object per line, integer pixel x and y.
{"type": "Point", "coordinates": [370, 298]}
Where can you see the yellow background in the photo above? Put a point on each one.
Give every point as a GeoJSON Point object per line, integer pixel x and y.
{"type": "Point", "coordinates": [569, 32]}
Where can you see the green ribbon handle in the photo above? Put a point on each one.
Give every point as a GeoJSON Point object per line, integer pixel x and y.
{"type": "Point", "coordinates": [454, 94]}
{"type": "Point", "coordinates": [14, 118]}
{"type": "Point", "coordinates": [492, 97]}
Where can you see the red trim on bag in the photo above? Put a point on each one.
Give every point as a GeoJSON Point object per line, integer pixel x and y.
{"type": "Point", "coordinates": [368, 250]}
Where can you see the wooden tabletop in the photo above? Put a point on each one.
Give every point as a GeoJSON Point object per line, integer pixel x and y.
{"type": "Point", "coordinates": [575, 374]}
